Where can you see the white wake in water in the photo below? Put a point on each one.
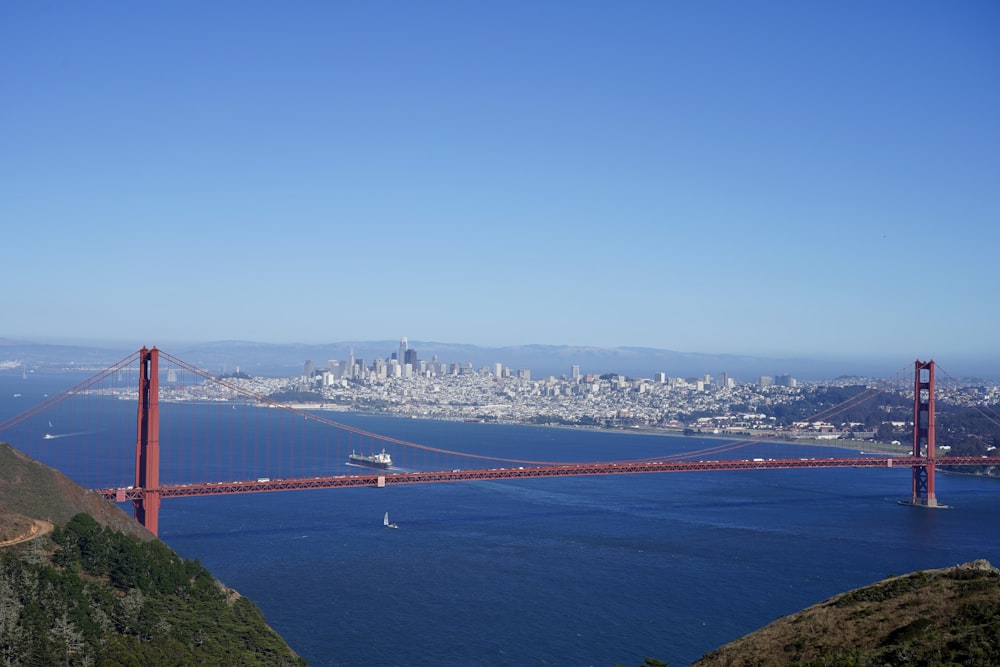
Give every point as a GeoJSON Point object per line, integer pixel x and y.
{"type": "Point", "coordinates": [56, 436]}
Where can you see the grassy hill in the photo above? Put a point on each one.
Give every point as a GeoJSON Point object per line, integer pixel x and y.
{"type": "Point", "coordinates": [949, 616]}
{"type": "Point", "coordinates": [33, 490]}
{"type": "Point", "coordinates": [82, 584]}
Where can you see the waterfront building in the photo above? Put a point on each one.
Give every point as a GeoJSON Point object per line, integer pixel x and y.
{"type": "Point", "coordinates": [785, 380]}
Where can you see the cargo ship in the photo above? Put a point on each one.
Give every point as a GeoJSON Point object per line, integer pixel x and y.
{"type": "Point", "coordinates": [380, 460]}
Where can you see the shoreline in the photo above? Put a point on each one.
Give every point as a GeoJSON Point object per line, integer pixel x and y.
{"type": "Point", "coordinates": [864, 446]}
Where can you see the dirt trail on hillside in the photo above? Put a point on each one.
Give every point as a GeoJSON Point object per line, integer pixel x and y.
{"type": "Point", "coordinates": [38, 528]}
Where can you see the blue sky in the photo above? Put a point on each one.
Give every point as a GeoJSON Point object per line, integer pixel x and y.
{"type": "Point", "coordinates": [764, 178]}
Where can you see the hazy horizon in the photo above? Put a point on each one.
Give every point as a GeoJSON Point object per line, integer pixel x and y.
{"type": "Point", "coordinates": [545, 358]}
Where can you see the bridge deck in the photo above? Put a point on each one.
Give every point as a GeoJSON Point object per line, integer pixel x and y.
{"type": "Point", "coordinates": [386, 478]}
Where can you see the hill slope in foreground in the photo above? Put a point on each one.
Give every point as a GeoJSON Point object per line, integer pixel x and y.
{"type": "Point", "coordinates": [81, 583]}
{"type": "Point", "coordinates": [30, 490]}
{"type": "Point", "coordinates": [949, 616]}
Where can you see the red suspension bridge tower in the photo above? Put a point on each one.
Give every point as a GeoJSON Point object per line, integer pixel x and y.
{"type": "Point", "coordinates": [923, 435]}
{"type": "Point", "coordinates": [147, 445]}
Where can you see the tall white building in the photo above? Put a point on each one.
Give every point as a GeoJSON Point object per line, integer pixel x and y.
{"type": "Point", "coordinates": [401, 357]}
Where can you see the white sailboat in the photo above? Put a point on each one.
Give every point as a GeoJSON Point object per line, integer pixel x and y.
{"type": "Point", "coordinates": [385, 522]}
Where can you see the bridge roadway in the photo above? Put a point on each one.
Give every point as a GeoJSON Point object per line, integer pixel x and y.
{"type": "Point", "coordinates": [386, 478]}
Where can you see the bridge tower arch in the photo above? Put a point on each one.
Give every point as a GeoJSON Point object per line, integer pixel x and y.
{"type": "Point", "coordinates": [922, 494]}
{"type": "Point", "coordinates": [147, 445]}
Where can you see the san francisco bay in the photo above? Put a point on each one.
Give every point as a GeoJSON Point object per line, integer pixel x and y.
{"type": "Point", "coordinates": [568, 571]}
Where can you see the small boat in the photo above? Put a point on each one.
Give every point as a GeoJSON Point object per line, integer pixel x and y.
{"type": "Point", "coordinates": [385, 522]}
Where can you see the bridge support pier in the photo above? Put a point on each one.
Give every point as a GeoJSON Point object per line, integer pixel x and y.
{"type": "Point", "coordinates": [922, 494]}
{"type": "Point", "coordinates": [147, 446]}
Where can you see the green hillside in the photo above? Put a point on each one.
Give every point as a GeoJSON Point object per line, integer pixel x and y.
{"type": "Point", "coordinates": [82, 592]}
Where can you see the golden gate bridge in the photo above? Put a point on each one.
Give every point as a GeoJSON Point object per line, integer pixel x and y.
{"type": "Point", "coordinates": [223, 429]}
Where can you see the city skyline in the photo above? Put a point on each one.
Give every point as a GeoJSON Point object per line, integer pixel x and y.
{"type": "Point", "coordinates": [269, 359]}
{"type": "Point", "coordinates": [777, 179]}
{"type": "Point", "coordinates": [383, 369]}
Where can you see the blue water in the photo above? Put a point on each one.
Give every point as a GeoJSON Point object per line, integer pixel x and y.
{"type": "Point", "coordinates": [564, 571]}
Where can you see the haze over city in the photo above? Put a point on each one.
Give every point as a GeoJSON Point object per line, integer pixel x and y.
{"type": "Point", "coordinates": [777, 179]}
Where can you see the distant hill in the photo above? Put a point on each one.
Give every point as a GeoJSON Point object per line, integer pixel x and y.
{"type": "Point", "coordinates": [96, 588]}
{"type": "Point", "coordinates": [32, 355]}
{"type": "Point", "coordinates": [949, 616]}
{"type": "Point", "coordinates": [283, 360]}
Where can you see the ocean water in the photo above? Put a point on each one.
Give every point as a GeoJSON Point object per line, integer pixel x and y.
{"type": "Point", "coordinates": [563, 571]}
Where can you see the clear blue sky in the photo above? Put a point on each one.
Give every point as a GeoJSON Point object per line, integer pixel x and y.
{"type": "Point", "coordinates": [764, 178]}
